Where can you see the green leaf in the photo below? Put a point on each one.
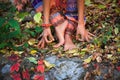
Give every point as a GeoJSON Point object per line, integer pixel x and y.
{"type": "Point", "coordinates": [26, 45]}
{"type": "Point", "coordinates": [2, 45]}
{"type": "Point", "coordinates": [38, 29]}
{"type": "Point", "coordinates": [32, 59]}
{"type": "Point", "coordinates": [100, 6]}
{"type": "Point", "coordinates": [22, 14]}
{"type": "Point", "coordinates": [14, 24]}
{"type": "Point", "coordinates": [116, 30]}
{"type": "Point", "coordinates": [38, 18]}
{"type": "Point", "coordinates": [88, 2]}
{"type": "Point", "coordinates": [2, 21]}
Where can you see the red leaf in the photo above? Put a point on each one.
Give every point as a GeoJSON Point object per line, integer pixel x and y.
{"type": "Point", "coordinates": [16, 76]}
{"type": "Point", "coordinates": [39, 77]}
{"type": "Point", "coordinates": [15, 67]}
{"type": "Point", "coordinates": [40, 68]}
{"type": "Point", "coordinates": [95, 65]}
{"type": "Point", "coordinates": [15, 2]}
{"type": "Point", "coordinates": [24, 1]}
{"type": "Point", "coordinates": [26, 75]}
{"type": "Point", "coordinates": [118, 68]}
{"type": "Point", "coordinates": [40, 62]}
{"type": "Point", "coordinates": [13, 57]}
{"type": "Point", "coordinates": [19, 6]}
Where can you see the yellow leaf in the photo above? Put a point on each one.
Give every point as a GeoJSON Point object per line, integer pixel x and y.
{"type": "Point", "coordinates": [76, 54]}
{"type": "Point", "coordinates": [72, 51]}
{"type": "Point", "coordinates": [88, 60]}
{"type": "Point", "coordinates": [109, 56]}
{"type": "Point", "coordinates": [48, 65]}
{"type": "Point", "coordinates": [3, 51]}
{"type": "Point", "coordinates": [33, 52]}
{"type": "Point", "coordinates": [118, 49]}
{"type": "Point", "coordinates": [32, 42]}
{"type": "Point", "coordinates": [84, 50]}
{"type": "Point", "coordinates": [18, 52]}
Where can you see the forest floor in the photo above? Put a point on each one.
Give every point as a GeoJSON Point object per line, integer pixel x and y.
{"type": "Point", "coordinates": [21, 59]}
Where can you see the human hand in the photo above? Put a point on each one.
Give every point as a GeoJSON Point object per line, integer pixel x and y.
{"type": "Point", "coordinates": [85, 35]}
{"type": "Point", "coordinates": [46, 38]}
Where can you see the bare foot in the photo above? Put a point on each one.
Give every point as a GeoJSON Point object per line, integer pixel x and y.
{"type": "Point", "coordinates": [60, 30]}
{"type": "Point", "coordinates": [68, 43]}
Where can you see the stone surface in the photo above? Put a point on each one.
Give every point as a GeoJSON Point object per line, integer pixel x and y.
{"type": "Point", "coordinates": [65, 69]}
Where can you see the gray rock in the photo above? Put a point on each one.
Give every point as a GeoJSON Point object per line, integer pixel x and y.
{"type": "Point", "coordinates": [6, 69]}
{"type": "Point", "coordinates": [65, 69]}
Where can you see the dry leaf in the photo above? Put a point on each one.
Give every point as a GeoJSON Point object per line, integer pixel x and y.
{"type": "Point", "coordinates": [33, 52]}
{"type": "Point", "coordinates": [32, 41]}
{"type": "Point", "coordinates": [99, 59]}
{"type": "Point", "coordinates": [48, 65]}
{"type": "Point", "coordinates": [88, 60]}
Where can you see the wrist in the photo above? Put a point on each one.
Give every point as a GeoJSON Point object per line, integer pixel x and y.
{"type": "Point", "coordinates": [45, 26]}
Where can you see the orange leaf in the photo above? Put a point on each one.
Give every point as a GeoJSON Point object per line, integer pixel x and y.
{"type": "Point", "coordinates": [24, 1]}
{"type": "Point", "coordinates": [19, 6]}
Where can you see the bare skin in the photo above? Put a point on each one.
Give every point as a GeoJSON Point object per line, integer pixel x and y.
{"type": "Point", "coordinates": [47, 32]}
{"type": "Point", "coordinates": [85, 35]}
{"type": "Point", "coordinates": [60, 31]}
{"type": "Point", "coordinates": [69, 45]}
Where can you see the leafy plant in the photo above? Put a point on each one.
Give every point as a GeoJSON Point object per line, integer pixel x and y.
{"type": "Point", "coordinates": [9, 30]}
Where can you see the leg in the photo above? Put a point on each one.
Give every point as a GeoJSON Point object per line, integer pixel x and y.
{"type": "Point", "coordinates": [60, 25]}
{"type": "Point", "coordinates": [68, 40]}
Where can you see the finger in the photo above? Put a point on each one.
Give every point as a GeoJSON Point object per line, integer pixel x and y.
{"type": "Point", "coordinates": [77, 36]}
{"type": "Point", "coordinates": [82, 38]}
{"type": "Point", "coordinates": [39, 43]}
{"type": "Point", "coordinates": [91, 34]}
{"type": "Point", "coordinates": [86, 38]}
{"type": "Point", "coordinates": [46, 39]}
{"type": "Point", "coordinates": [43, 44]}
{"type": "Point", "coordinates": [51, 37]}
{"type": "Point", "coordinates": [89, 37]}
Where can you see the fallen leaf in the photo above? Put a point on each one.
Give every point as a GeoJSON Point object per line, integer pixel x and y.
{"type": "Point", "coordinates": [24, 1]}
{"type": "Point", "coordinates": [39, 77]}
{"type": "Point", "coordinates": [48, 65]}
{"type": "Point", "coordinates": [40, 62]}
{"type": "Point", "coordinates": [33, 52]}
{"type": "Point", "coordinates": [109, 56]}
{"type": "Point", "coordinates": [88, 60]}
{"type": "Point", "coordinates": [32, 59]}
{"type": "Point", "coordinates": [118, 68]}
{"type": "Point", "coordinates": [40, 68]}
{"type": "Point", "coordinates": [15, 67]}
{"type": "Point", "coordinates": [19, 7]}
{"type": "Point", "coordinates": [13, 57]}
{"type": "Point", "coordinates": [16, 76]}
{"type": "Point", "coordinates": [26, 74]}
{"type": "Point", "coordinates": [37, 17]}
{"type": "Point", "coordinates": [72, 51]}
{"type": "Point", "coordinates": [32, 41]}
{"type": "Point", "coordinates": [99, 59]}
